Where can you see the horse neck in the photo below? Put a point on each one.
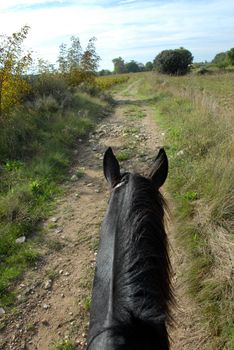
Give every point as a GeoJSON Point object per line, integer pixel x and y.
{"type": "Point", "coordinates": [141, 288]}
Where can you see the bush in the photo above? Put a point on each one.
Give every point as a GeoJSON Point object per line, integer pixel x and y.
{"type": "Point", "coordinates": [203, 71]}
{"type": "Point", "coordinates": [175, 62]}
{"type": "Point", "coordinates": [49, 85]}
{"type": "Point", "coordinates": [46, 104]}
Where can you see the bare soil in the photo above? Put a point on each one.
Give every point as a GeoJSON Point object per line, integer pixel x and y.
{"type": "Point", "coordinates": [54, 297]}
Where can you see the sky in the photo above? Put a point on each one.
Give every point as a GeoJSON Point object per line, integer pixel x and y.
{"type": "Point", "coordinates": [131, 29]}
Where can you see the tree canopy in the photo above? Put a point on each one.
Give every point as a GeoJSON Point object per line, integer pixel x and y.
{"type": "Point", "coordinates": [78, 65]}
{"type": "Point", "coordinates": [13, 64]}
{"type": "Point", "coordinates": [175, 62]}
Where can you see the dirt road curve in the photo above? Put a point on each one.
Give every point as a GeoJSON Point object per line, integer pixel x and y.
{"type": "Point", "coordinates": [55, 297]}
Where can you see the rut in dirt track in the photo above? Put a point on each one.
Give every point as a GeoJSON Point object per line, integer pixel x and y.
{"type": "Point", "coordinates": [54, 298]}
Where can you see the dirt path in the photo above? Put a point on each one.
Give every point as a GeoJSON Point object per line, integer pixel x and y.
{"type": "Point", "coordinates": [54, 298]}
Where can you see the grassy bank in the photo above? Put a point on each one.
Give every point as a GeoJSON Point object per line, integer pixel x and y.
{"type": "Point", "coordinates": [36, 147]}
{"type": "Point", "coordinates": [196, 114]}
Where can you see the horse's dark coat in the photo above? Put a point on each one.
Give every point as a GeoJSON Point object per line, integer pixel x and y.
{"type": "Point", "coordinates": [131, 290]}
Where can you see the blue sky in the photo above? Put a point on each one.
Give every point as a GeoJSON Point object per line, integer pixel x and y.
{"type": "Point", "coordinates": [131, 29]}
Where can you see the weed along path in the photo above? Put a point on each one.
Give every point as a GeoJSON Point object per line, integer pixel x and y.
{"type": "Point", "coordinates": [54, 297]}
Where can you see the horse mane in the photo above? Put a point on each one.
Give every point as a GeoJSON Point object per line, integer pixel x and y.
{"type": "Point", "coordinates": [142, 291]}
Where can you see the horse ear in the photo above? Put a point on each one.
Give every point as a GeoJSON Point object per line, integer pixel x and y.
{"type": "Point", "coordinates": [159, 171]}
{"type": "Point", "coordinates": [111, 167]}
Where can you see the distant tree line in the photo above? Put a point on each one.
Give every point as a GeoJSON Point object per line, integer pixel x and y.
{"type": "Point", "coordinates": [224, 59]}
{"type": "Point", "coordinates": [174, 62]}
{"type": "Point", "coordinates": [129, 67]}
{"type": "Point", "coordinates": [168, 61]}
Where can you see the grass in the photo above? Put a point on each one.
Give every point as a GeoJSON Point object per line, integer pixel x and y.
{"type": "Point", "coordinates": [195, 112]}
{"type": "Point", "coordinates": [106, 82]}
{"type": "Point", "coordinates": [123, 155]}
{"type": "Point", "coordinates": [134, 112]}
{"type": "Point", "coordinates": [64, 345]}
{"type": "Point", "coordinates": [36, 145]}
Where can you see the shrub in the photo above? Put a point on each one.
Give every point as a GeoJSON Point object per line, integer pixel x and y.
{"type": "Point", "coordinates": [46, 104]}
{"type": "Point", "coordinates": [175, 62]}
{"type": "Point", "coordinates": [49, 85]}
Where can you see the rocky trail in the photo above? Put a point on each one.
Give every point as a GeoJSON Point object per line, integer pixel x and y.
{"type": "Point", "coordinates": [54, 298]}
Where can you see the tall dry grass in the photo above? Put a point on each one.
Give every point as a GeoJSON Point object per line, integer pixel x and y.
{"type": "Point", "coordinates": [197, 119]}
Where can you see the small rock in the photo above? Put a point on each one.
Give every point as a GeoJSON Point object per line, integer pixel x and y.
{"type": "Point", "coordinates": [67, 274]}
{"type": "Point", "coordinates": [62, 295]}
{"type": "Point", "coordinates": [46, 306]}
{"type": "Point", "coordinates": [97, 191]}
{"type": "Point", "coordinates": [59, 230]}
{"type": "Point", "coordinates": [71, 313]}
{"type": "Point", "coordinates": [20, 240]}
{"type": "Point", "coordinates": [48, 284]}
{"type": "Point", "coordinates": [94, 149]}
{"type": "Point", "coordinates": [60, 272]}
{"type": "Point", "coordinates": [77, 195]}
{"type": "Point", "coordinates": [74, 177]}
{"type": "Point", "coordinates": [89, 185]}
{"type": "Point", "coordinates": [180, 153]}
{"type": "Point", "coordinates": [163, 133]}
{"type": "Point", "coordinates": [28, 290]}
{"type": "Point", "coordinates": [45, 322]}
{"type": "Point", "coordinates": [54, 219]}
{"type": "Point", "coordinates": [2, 311]}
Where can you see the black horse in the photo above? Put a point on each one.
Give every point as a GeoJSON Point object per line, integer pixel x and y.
{"type": "Point", "coordinates": [131, 289]}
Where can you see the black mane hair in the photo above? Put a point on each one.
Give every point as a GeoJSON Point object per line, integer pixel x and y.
{"type": "Point", "coordinates": [142, 290]}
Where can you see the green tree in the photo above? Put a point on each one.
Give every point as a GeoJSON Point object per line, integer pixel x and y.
{"type": "Point", "coordinates": [90, 60]}
{"type": "Point", "coordinates": [119, 66]}
{"type": "Point", "coordinates": [175, 62]}
{"type": "Point", "coordinates": [74, 53]}
{"type": "Point", "coordinates": [104, 72]}
{"type": "Point", "coordinates": [132, 67]}
{"type": "Point", "coordinates": [221, 60]}
{"type": "Point", "coordinates": [62, 59]}
{"type": "Point", "coordinates": [230, 54]}
{"type": "Point", "coordinates": [78, 66]}
{"type": "Point", "coordinates": [13, 65]}
{"type": "Point", "coordinates": [149, 66]}
{"type": "Point", "coordinates": [45, 67]}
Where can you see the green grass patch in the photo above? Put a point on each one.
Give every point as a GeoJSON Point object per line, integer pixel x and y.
{"type": "Point", "coordinates": [36, 145]}
{"type": "Point", "coordinates": [123, 155]}
{"type": "Point", "coordinates": [134, 112]}
{"type": "Point", "coordinates": [64, 345]}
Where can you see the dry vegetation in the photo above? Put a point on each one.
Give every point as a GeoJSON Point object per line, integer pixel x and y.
{"type": "Point", "coordinates": [197, 116]}
{"type": "Point", "coordinates": [107, 82]}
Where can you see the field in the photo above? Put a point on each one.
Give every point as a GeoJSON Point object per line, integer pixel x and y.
{"type": "Point", "coordinates": [197, 114]}
{"type": "Point", "coordinates": [52, 165]}
{"type": "Point", "coordinates": [107, 82]}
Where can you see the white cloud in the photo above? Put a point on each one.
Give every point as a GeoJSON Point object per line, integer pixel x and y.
{"type": "Point", "coordinates": [128, 28]}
